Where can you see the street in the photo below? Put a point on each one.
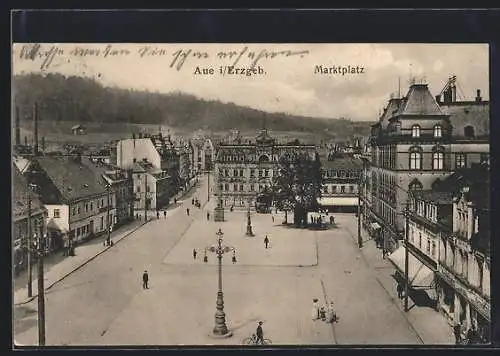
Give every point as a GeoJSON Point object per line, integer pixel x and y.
{"type": "Point", "coordinates": [103, 303]}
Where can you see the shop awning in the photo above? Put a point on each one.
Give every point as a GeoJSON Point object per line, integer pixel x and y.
{"type": "Point", "coordinates": [338, 201]}
{"type": "Point", "coordinates": [375, 226]}
{"type": "Point", "coordinates": [419, 275]}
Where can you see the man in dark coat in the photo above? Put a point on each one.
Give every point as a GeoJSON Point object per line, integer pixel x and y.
{"type": "Point", "coordinates": [145, 280]}
{"type": "Point", "coordinates": [400, 290]}
{"type": "Point", "coordinates": [266, 241]}
{"type": "Point", "coordinates": [187, 211]}
{"type": "Point", "coordinates": [260, 334]}
{"type": "Point", "coordinates": [164, 214]}
{"type": "Point", "coordinates": [457, 333]}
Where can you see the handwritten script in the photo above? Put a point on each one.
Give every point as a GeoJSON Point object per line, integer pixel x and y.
{"type": "Point", "coordinates": [53, 55]}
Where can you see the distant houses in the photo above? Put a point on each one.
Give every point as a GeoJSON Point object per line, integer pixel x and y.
{"type": "Point", "coordinates": [78, 130]}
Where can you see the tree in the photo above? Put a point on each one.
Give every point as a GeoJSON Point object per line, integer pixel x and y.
{"type": "Point", "coordinates": [298, 185]}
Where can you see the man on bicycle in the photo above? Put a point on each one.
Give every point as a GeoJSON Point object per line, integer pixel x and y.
{"type": "Point", "coordinates": [260, 334]}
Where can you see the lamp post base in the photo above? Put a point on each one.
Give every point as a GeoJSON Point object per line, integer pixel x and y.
{"type": "Point", "coordinates": [228, 334]}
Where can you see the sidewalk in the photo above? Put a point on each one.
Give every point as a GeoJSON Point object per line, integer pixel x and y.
{"type": "Point", "coordinates": [84, 253]}
{"type": "Point", "coordinates": [428, 324]}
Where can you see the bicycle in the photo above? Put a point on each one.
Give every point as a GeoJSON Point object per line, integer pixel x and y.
{"type": "Point", "coordinates": [253, 341]}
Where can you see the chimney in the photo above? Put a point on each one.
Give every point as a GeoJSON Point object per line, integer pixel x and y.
{"type": "Point", "coordinates": [35, 129]}
{"type": "Point", "coordinates": [478, 95]}
{"type": "Point", "coordinates": [18, 129]}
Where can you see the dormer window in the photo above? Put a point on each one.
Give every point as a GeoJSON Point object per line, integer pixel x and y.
{"type": "Point", "coordinates": [437, 131]}
{"type": "Point", "coordinates": [415, 131]}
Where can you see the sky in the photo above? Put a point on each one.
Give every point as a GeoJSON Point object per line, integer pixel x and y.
{"type": "Point", "coordinates": [291, 79]}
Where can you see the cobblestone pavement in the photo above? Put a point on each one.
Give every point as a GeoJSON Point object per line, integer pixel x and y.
{"type": "Point", "coordinates": [103, 303]}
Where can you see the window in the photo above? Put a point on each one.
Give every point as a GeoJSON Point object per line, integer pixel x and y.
{"type": "Point", "coordinates": [86, 207]}
{"type": "Point", "coordinates": [351, 188]}
{"type": "Point", "coordinates": [460, 160]}
{"type": "Point", "coordinates": [226, 172]}
{"type": "Point", "coordinates": [252, 187]}
{"type": "Point", "coordinates": [420, 240]}
{"type": "Point", "coordinates": [342, 188]}
{"type": "Point", "coordinates": [437, 131]}
{"type": "Point", "coordinates": [260, 173]}
{"type": "Point", "coordinates": [415, 158]}
{"type": "Point", "coordinates": [138, 190]}
{"type": "Point", "coordinates": [78, 231]}
{"type": "Point", "coordinates": [235, 187]}
{"type": "Point", "coordinates": [266, 173]}
{"type": "Point", "coordinates": [241, 187]}
{"type": "Point", "coordinates": [92, 205]}
{"type": "Point", "coordinates": [252, 173]}
{"type": "Point", "coordinates": [428, 249]}
{"type": "Point", "coordinates": [325, 189]}
{"type": "Point", "coordinates": [334, 189]}
{"type": "Point", "coordinates": [415, 131]}
{"type": "Point", "coordinates": [415, 185]}
{"type": "Point", "coordinates": [78, 209]}
{"type": "Point", "coordinates": [235, 172]}
{"type": "Point", "coordinates": [241, 172]}
{"type": "Point", "coordinates": [221, 187]}
{"type": "Point", "coordinates": [226, 187]}
{"type": "Point", "coordinates": [438, 160]}
{"type": "Point", "coordinates": [480, 273]}
{"type": "Point", "coordinates": [74, 211]}
{"type": "Point", "coordinates": [57, 213]}
{"type": "Point", "coordinates": [469, 131]}
{"type": "Point", "coordinates": [102, 222]}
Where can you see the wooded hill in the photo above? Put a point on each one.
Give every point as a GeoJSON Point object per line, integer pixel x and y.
{"type": "Point", "coordinates": [84, 100]}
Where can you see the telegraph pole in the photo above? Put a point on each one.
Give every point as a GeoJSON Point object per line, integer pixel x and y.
{"type": "Point", "coordinates": [360, 238]}
{"type": "Point", "coordinates": [145, 196]}
{"type": "Point", "coordinates": [407, 282]}
{"type": "Point", "coordinates": [41, 292]}
{"type": "Point", "coordinates": [108, 239]}
{"type": "Point", "coordinates": [29, 250]}
{"type": "Point", "coordinates": [208, 187]}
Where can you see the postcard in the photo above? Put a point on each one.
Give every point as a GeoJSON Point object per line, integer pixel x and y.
{"type": "Point", "coordinates": [215, 194]}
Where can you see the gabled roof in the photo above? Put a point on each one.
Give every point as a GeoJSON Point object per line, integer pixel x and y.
{"type": "Point", "coordinates": [72, 180]}
{"type": "Point", "coordinates": [419, 101]}
{"type": "Point", "coordinates": [20, 194]}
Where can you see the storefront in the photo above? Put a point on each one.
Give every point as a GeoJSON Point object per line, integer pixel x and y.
{"type": "Point", "coordinates": [420, 276]}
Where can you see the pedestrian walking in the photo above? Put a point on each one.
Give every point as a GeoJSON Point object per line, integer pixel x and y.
{"type": "Point", "coordinates": [331, 315]}
{"type": "Point", "coordinates": [472, 336]}
{"type": "Point", "coordinates": [187, 211]}
{"type": "Point", "coordinates": [458, 333]}
{"type": "Point", "coordinates": [137, 216]}
{"type": "Point", "coordinates": [145, 280]}
{"type": "Point", "coordinates": [194, 253]}
{"type": "Point", "coordinates": [266, 241]}
{"type": "Point", "coordinates": [192, 201]}
{"type": "Point", "coordinates": [175, 200]}
{"type": "Point", "coordinates": [272, 217]}
{"type": "Point", "coordinates": [399, 288]}
{"type": "Point", "coordinates": [234, 257]}
{"type": "Point", "coordinates": [208, 215]}
{"type": "Point", "coordinates": [315, 309]}
{"type": "Point", "coordinates": [164, 214]}
{"type": "Point", "coordinates": [157, 215]}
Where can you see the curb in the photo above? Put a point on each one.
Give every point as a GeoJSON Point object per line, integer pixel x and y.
{"type": "Point", "coordinates": [26, 301]}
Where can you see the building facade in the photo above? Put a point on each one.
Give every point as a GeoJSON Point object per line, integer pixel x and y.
{"type": "Point", "coordinates": [418, 140]}
{"type": "Point", "coordinates": [28, 217]}
{"type": "Point", "coordinates": [76, 203]}
{"type": "Point", "coordinates": [243, 170]}
{"type": "Point", "coordinates": [153, 187]}
{"type": "Point", "coordinates": [464, 279]}
{"type": "Point", "coordinates": [341, 176]}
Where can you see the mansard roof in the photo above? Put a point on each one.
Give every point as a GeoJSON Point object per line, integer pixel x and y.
{"type": "Point", "coordinates": [419, 101]}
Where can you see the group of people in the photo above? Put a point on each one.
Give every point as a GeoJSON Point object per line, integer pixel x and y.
{"type": "Point", "coordinates": [472, 336]}
{"type": "Point", "coordinates": [195, 202]}
{"type": "Point", "coordinates": [158, 214]}
{"type": "Point", "coordinates": [325, 313]}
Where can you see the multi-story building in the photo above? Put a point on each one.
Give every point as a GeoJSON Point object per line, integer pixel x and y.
{"type": "Point", "coordinates": [242, 170]}
{"type": "Point", "coordinates": [77, 204]}
{"type": "Point", "coordinates": [464, 268]}
{"type": "Point", "coordinates": [417, 141]}
{"type": "Point", "coordinates": [156, 156]}
{"type": "Point", "coordinates": [152, 186]}
{"type": "Point", "coordinates": [341, 175]}
{"type": "Point", "coordinates": [120, 185]}
{"type": "Point", "coordinates": [28, 217]}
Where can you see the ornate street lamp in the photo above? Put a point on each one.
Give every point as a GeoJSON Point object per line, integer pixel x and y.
{"type": "Point", "coordinates": [220, 328]}
{"type": "Point", "coordinates": [249, 222]}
